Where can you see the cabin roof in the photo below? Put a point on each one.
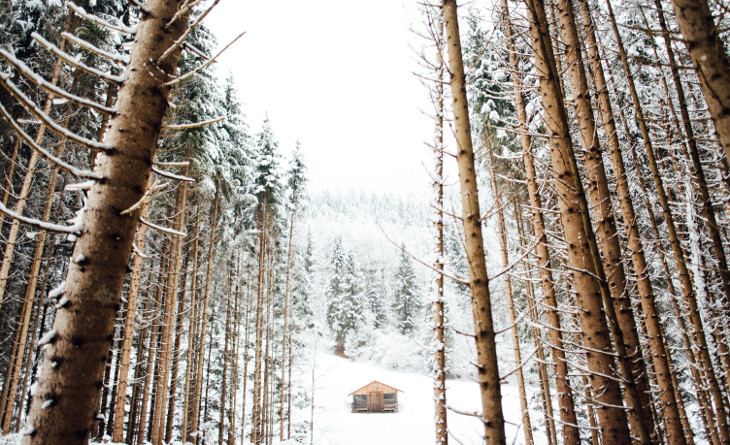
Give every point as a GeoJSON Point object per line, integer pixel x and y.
{"type": "Point", "coordinates": [374, 381]}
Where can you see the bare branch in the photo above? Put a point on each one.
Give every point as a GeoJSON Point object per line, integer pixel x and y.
{"type": "Point", "coordinates": [204, 65]}
{"type": "Point", "coordinates": [165, 230]}
{"type": "Point", "coordinates": [194, 124]}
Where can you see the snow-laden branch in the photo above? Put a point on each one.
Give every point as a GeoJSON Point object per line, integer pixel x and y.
{"type": "Point", "coordinates": [38, 224]}
{"type": "Point", "coordinates": [51, 88]}
{"type": "Point", "coordinates": [166, 230]}
{"type": "Point", "coordinates": [169, 175]}
{"type": "Point", "coordinates": [204, 65]}
{"type": "Point", "coordinates": [124, 60]}
{"type": "Point", "coordinates": [194, 124]}
{"type": "Point", "coordinates": [45, 153]}
{"type": "Point", "coordinates": [43, 117]}
{"type": "Point", "coordinates": [74, 62]}
{"type": "Point", "coordinates": [94, 19]}
{"type": "Point", "coordinates": [172, 164]}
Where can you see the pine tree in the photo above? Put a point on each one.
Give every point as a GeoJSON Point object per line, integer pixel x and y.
{"type": "Point", "coordinates": [406, 300]}
{"type": "Point", "coordinates": [344, 308]}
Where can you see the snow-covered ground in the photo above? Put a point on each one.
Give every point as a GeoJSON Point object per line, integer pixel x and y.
{"type": "Point", "coordinates": [334, 424]}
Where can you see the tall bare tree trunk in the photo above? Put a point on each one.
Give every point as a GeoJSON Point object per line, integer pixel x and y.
{"type": "Point", "coordinates": [634, 374]}
{"type": "Point", "coordinates": [438, 369]}
{"type": "Point", "coordinates": [566, 404]}
{"type": "Point", "coordinates": [487, 368]}
{"type": "Point", "coordinates": [67, 396]}
{"type": "Point", "coordinates": [286, 328]}
{"type": "Point", "coordinates": [204, 313]}
{"type": "Point", "coordinates": [502, 234]}
{"type": "Point", "coordinates": [710, 61]}
{"type": "Point", "coordinates": [663, 372]}
{"type": "Point", "coordinates": [585, 265]}
{"type": "Point", "coordinates": [684, 274]}
{"type": "Point", "coordinates": [192, 330]}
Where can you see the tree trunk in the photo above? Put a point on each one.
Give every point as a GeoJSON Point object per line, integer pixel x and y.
{"type": "Point", "coordinates": [670, 415]}
{"type": "Point", "coordinates": [502, 234]}
{"type": "Point", "coordinates": [67, 397]}
{"type": "Point", "coordinates": [204, 313]}
{"type": "Point", "coordinates": [585, 266]}
{"type": "Point", "coordinates": [286, 328]}
{"type": "Point", "coordinates": [192, 331]}
{"type": "Point", "coordinates": [710, 61]}
{"type": "Point", "coordinates": [487, 368]}
{"type": "Point", "coordinates": [566, 404]}
{"type": "Point", "coordinates": [681, 264]}
{"type": "Point", "coordinates": [438, 370]}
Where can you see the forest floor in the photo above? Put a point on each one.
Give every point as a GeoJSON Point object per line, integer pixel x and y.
{"type": "Point", "coordinates": [335, 424]}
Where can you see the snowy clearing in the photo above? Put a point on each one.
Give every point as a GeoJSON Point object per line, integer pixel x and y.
{"type": "Point", "coordinates": [334, 424]}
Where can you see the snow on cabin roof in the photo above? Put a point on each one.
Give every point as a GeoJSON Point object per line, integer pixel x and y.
{"type": "Point", "coordinates": [374, 382]}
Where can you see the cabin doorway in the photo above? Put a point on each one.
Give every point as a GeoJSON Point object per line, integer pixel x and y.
{"type": "Point", "coordinates": [375, 402]}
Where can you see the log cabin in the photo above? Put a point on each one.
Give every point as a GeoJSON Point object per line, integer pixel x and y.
{"type": "Point", "coordinates": [375, 397]}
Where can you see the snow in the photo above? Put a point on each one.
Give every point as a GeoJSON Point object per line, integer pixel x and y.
{"type": "Point", "coordinates": [57, 291]}
{"type": "Point", "coordinates": [47, 338]}
{"type": "Point", "coordinates": [335, 424]}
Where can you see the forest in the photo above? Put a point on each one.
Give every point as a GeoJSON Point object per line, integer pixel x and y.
{"type": "Point", "coordinates": [169, 277]}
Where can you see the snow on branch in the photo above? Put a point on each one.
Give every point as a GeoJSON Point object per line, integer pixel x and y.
{"type": "Point", "coordinates": [172, 164]}
{"type": "Point", "coordinates": [95, 49]}
{"type": "Point", "coordinates": [51, 88]}
{"type": "Point", "coordinates": [205, 65]}
{"type": "Point", "coordinates": [38, 224]}
{"type": "Point", "coordinates": [43, 117]}
{"type": "Point", "coordinates": [166, 230]}
{"type": "Point", "coordinates": [169, 175]}
{"type": "Point", "coordinates": [45, 153]}
{"type": "Point", "coordinates": [94, 19]}
{"type": "Point", "coordinates": [53, 49]}
{"type": "Point", "coordinates": [194, 124]}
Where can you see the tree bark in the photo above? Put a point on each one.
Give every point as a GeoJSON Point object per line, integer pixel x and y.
{"type": "Point", "coordinates": [67, 397]}
{"type": "Point", "coordinates": [566, 404]}
{"type": "Point", "coordinates": [710, 61]}
{"type": "Point", "coordinates": [585, 266]}
{"type": "Point", "coordinates": [487, 367]}
{"type": "Point", "coordinates": [204, 313]}
{"type": "Point", "coordinates": [685, 279]}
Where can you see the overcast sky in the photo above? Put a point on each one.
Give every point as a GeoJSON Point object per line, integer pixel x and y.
{"type": "Point", "coordinates": [338, 76]}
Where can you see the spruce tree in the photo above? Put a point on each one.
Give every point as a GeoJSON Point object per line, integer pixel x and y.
{"type": "Point", "coordinates": [406, 304]}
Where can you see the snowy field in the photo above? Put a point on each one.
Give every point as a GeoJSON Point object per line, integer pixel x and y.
{"type": "Point", "coordinates": [334, 424]}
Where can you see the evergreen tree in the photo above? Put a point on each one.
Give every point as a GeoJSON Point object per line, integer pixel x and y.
{"type": "Point", "coordinates": [374, 295]}
{"type": "Point", "coordinates": [406, 303]}
{"type": "Point", "coordinates": [303, 315]}
{"type": "Point", "coordinates": [344, 307]}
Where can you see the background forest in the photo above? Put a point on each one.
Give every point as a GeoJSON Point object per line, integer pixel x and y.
{"type": "Point", "coordinates": [167, 275]}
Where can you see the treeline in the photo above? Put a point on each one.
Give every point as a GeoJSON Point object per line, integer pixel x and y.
{"type": "Point", "coordinates": [596, 130]}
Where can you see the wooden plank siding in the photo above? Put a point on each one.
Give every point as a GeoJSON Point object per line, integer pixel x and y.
{"type": "Point", "coordinates": [375, 397]}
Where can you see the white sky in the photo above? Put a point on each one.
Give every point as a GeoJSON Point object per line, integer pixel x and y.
{"type": "Point", "coordinates": [338, 76]}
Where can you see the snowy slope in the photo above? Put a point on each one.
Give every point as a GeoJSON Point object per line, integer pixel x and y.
{"type": "Point", "coordinates": [334, 424]}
